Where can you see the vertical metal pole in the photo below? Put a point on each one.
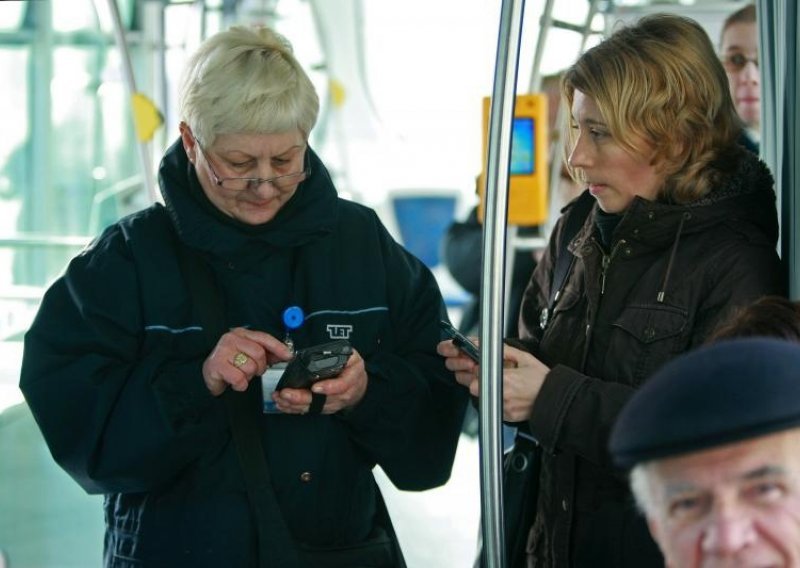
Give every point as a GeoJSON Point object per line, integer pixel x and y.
{"type": "Point", "coordinates": [545, 24]}
{"type": "Point", "coordinates": [155, 34]}
{"type": "Point", "coordinates": [38, 268]}
{"type": "Point", "coordinates": [557, 147]}
{"type": "Point", "coordinates": [779, 53]}
{"type": "Point", "coordinates": [493, 266]}
{"type": "Point", "coordinates": [125, 56]}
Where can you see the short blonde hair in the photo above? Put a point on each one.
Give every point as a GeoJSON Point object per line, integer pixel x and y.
{"type": "Point", "coordinates": [246, 80]}
{"type": "Point", "coordinates": [660, 81]}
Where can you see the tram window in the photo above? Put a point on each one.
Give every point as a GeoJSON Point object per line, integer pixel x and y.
{"type": "Point", "coordinates": [10, 15]}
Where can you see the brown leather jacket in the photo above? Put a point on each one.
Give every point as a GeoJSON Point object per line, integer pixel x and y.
{"type": "Point", "coordinates": [671, 273]}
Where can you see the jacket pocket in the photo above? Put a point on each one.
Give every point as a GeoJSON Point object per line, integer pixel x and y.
{"type": "Point", "coordinates": [651, 335]}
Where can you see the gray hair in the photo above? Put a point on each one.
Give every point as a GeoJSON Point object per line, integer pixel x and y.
{"type": "Point", "coordinates": [246, 80]}
{"type": "Point", "coordinates": [642, 489]}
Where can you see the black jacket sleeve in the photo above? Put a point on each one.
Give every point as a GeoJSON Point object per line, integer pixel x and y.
{"type": "Point", "coordinates": [410, 418]}
{"type": "Point", "coordinates": [97, 396]}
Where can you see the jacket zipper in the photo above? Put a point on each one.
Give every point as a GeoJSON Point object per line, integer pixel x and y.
{"type": "Point", "coordinates": [591, 320]}
{"type": "Point", "coordinates": [606, 262]}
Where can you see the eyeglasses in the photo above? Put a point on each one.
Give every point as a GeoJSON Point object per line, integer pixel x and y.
{"type": "Point", "coordinates": [735, 62]}
{"type": "Point", "coordinates": [243, 183]}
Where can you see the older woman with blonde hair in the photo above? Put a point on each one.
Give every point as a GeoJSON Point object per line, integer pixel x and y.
{"type": "Point", "coordinates": [681, 227]}
{"type": "Point", "coordinates": [153, 367]}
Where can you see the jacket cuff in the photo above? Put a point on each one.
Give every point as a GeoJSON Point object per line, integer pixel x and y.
{"type": "Point", "coordinates": [558, 391]}
{"type": "Point", "coordinates": [368, 407]}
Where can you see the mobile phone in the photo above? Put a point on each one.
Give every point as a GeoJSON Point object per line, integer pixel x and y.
{"type": "Point", "coordinates": [461, 341]}
{"type": "Point", "coordinates": [315, 363]}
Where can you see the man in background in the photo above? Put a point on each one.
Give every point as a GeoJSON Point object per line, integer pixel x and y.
{"type": "Point", "coordinates": [739, 53]}
{"type": "Point", "coordinates": [712, 440]}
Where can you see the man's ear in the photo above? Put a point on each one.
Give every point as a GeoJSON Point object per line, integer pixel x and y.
{"type": "Point", "coordinates": [655, 532]}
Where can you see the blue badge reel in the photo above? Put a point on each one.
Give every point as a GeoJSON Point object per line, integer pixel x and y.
{"type": "Point", "coordinates": [293, 318]}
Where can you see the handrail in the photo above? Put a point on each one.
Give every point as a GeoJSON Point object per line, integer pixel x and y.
{"type": "Point", "coordinates": [124, 187]}
{"type": "Point", "coordinates": [557, 146]}
{"type": "Point", "coordinates": [780, 121]}
{"type": "Point", "coordinates": [130, 82]}
{"type": "Point", "coordinates": [42, 240]}
{"type": "Point", "coordinates": [493, 268]}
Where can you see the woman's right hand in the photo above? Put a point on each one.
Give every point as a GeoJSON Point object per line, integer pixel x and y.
{"type": "Point", "coordinates": [240, 355]}
{"type": "Point", "coordinates": [465, 369]}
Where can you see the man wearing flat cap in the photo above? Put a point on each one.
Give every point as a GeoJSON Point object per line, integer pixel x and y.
{"type": "Point", "coordinates": [713, 444]}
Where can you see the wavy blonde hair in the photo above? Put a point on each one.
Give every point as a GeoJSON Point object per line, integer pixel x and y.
{"type": "Point", "coordinates": [660, 81]}
{"type": "Point", "coordinates": [246, 80]}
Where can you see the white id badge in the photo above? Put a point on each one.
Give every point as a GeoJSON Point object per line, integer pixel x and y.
{"type": "Point", "coordinates": [269, 381]}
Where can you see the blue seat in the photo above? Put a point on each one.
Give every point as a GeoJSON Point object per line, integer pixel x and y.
{"type": "Point", "coordinates": [422, 219]}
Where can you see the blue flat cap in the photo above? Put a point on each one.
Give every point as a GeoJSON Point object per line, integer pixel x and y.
{"type": "Point", "coordinates": [727, 392]}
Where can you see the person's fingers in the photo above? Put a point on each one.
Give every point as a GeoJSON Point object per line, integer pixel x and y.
{"type": "Point", "coordinates": [270, 344]}
{"type": "Point", "coordinates": [240, 355]}
{"type": "Point", "coordinates": [292, 401]}
{"type": "Point", "coordinates": [465, 378]}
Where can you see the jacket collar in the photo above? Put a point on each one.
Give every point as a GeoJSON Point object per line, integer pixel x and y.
{"type": "Point", "coordinates": [745, 194]}
{"type": "Point", "coordinates": [308, 215]}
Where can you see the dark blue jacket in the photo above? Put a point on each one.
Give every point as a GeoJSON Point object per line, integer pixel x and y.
{"type": "Point", "coordinates": [112, 373]}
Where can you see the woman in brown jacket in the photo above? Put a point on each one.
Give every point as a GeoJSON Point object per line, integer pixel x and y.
{"type": "Point", "coordinates": [683, 229]}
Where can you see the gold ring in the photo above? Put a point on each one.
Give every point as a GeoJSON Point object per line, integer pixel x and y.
{"type": "Point", "coordinates": [239, 359]}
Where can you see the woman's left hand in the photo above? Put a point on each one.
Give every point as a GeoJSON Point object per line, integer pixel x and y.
{"type": "Point", "coordinates": [523, 377]}
{"type": "Point", "coordinates": [343, 391]}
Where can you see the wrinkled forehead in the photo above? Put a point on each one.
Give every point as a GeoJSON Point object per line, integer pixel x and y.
{"type": "Point", "coordinates": [731, 464]}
